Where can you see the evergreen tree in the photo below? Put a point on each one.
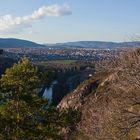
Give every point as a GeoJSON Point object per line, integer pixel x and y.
{"type": "Point", "coordinates": [23, 114]}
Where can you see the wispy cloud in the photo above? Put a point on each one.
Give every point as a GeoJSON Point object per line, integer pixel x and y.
{"type": "Point", "coordinates": [10, 24]}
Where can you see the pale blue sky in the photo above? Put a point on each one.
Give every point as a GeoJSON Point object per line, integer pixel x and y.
{"type": "Point", "coordinates": [106, 20]}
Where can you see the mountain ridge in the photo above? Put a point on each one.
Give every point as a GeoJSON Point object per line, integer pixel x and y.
{"type": "Point", "coordinates": [18, 43]}
{"type": "Point", "coordinates": [21, 43]}
{"type": "Point", "coordinates": [96, 44]}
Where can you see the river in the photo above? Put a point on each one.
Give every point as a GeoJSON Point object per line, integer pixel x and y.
{"type": "Point", "coordinates": [49, 91]}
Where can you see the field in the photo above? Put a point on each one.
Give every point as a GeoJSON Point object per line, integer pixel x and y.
{"type": "Point", "coordinates": [59, 62]}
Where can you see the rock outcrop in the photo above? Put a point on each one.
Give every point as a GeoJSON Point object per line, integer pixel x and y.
{"type": "Point", "coordinates": [77, 98]}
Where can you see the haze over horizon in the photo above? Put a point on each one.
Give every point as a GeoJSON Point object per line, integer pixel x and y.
{"type": "Point", "coordinates": [69, 20]}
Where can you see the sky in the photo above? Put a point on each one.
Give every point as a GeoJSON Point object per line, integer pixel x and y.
{"type": "Point", "coordinates": [53, 21]}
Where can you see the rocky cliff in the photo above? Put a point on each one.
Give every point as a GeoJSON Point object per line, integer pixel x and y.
{"type": "Point", "coordinates": [109, 102]}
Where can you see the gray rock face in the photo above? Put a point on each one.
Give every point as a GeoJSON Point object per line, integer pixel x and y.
{"type": "Point", "coordinates": [77, 98]}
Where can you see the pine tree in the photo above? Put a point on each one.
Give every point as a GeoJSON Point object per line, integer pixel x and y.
{"type": "Point", "coordinates": [25, 115]}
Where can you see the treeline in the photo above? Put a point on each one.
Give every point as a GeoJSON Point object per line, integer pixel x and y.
{"type": "Point", "coordinates": [1, 51]}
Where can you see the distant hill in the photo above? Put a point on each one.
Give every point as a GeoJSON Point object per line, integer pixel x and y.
{"type": "Point", "coordinates": [95, 44]}
{"type": "Point", "coordinates": [18, 43]}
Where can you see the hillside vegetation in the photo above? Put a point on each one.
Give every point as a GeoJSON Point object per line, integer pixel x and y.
{"type": "Point", "coordinates": [109, 101]}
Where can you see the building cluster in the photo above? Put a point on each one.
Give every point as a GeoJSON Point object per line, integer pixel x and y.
{"type": "Point", "coordinates": [41, 54]}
